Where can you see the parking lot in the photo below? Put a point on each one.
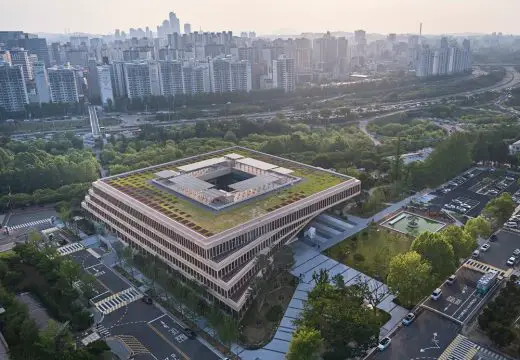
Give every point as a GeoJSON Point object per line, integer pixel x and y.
{"type": "Point", "coordinates": [145, 331]}
{"type": "Point", "coordinates": [426, 338]}
{"type": "Point", "coordinates": [459, 299]}
{"type": "Point", "coordinates": [469, 193]}
{"type": "Point", "coordinates": [501, 249]}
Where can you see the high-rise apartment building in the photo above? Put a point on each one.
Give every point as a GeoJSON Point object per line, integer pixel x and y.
{"type": "Point", "coordinates": [41, 81]}
{"type": "Point", "coordinates": [117, 73]}
{"type": "Point", "coordinates": [20, 57]}
{"type": "Point", "coordinates": [187, 28]}
{"type": "Point", "coordinates": [172, 78]}
{"type": "Point", "coordinates": [175, 25]}
{"type": "Point", "coordinates": [105, 84]}
{"type": "Point", "coordinates": [448, 59]}
{"type": "Point", "coordinates": [13, 91]}
{"type": "Point", "coordinates": [137, 79]}
{"type": "Point", "coordinates": [63, 84]}
{"type": "Point", "coordinates": [284, 76]}
{"type": "Point", "coordinates": [229, 75]}
{"type": "Point", "coordinates": [196, 78]}
{"type": "Point", "coordinates": [5, 56]}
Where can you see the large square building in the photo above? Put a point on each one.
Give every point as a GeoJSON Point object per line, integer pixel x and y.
{"type": "Point", "coordinates": [210, 215]}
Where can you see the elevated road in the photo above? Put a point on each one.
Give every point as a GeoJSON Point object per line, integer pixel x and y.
{"type": "Point", "coordinates": [94, 121]}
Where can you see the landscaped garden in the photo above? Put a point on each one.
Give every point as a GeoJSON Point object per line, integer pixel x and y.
{"type": "Point", "coordinates": [262, 319]}
{"type": "Point", "coordinates": [371, 250]}
{"type": "Point", "coordinates": [206, 222]}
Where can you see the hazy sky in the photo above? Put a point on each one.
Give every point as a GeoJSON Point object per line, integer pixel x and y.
{"type": "Point", "coordinates": [265, 16]}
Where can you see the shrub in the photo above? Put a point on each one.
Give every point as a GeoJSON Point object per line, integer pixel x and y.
{"type": "Point", "coordinates": [359, 257]}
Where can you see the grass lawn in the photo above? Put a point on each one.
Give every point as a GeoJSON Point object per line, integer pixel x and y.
{"type": "Point", "coordinates": [370, 250]}
{"type": "Point", "coordinates": [259, 326]}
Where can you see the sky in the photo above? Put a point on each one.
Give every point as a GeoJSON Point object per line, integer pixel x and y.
{"type": "Point", "coordinates": [265, 16]}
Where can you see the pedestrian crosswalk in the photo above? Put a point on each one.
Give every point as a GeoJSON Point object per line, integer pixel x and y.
{"type": "Point", "coordinates": [116, 301]}
{"type": "Point", "coordinates": [70, 248]}
{"type": "Point", "coordinates": [482, 267]}
{"type": "Point", "coordinates": [133, 344]}
{"type": "Point", "coordinates": [102, 330]}
{"type": "Point", "coordinates": [488, 354]}
{"type": "Point", "coordinates": [29, 224]}
{"type": "Point", "coordinates": [461, 348]}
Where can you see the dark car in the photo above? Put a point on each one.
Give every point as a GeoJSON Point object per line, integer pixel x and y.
{"type": "Point", "coordinates": [493, 238]}
{"type": "Point", "coordinates": [147, 300]}
{"type": "Point", "coordinates": [190, 333]}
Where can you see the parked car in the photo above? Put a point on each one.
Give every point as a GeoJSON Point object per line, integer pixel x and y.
{"type": "Point", "coordinates": [436, 294]}
{"type": "Point", "coordinates": [511, 261]}
{"type": "Point", "coordinates": [384, 343]}
{"type": "Point", "coordinates": [451, 279]}
{"type": "Point", "coordinates": [475, 254]}
{"type": "Point", "coordinates": [190, 333]}
{"type": "Point", "coordinates": [408, 319]}
{"type": "Point", "coordinates": [493, 238]}
{"type": "Point", "coordinates": [516, 253]}
{"type": "Point", "coordinates": [485, 247]}
{"type": "Point", "coordinates": [147, 300]}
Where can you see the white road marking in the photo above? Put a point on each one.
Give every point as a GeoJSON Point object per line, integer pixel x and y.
{"type": "Point", "coordinates": [157, 318]}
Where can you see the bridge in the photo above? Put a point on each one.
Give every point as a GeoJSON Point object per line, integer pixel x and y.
{"type": "Point", "coordinates": [94, 121]}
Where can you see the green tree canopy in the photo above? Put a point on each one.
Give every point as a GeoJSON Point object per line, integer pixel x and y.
{"type": "Point", "coordinates": [410, 276]}
{"type": "Point", "coordinates": [438, 251]}
{"type": "Point", "coordinates": [461, 241]}
{"type": "Point", "coordinates": [306, 344]}
{"type": "Point", "coordinates": [500, 208]}
{"type": "Point", "coordinates": [478, 227]}
{"type": "Point", "coordinates": [348, 327]}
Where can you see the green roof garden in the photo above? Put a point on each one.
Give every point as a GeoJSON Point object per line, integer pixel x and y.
{"type": "Point", "coordinates": [206, 222]}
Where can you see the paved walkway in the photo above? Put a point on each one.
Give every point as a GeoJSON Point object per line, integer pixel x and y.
{"type": "Point", "coordinates": [309, 259]}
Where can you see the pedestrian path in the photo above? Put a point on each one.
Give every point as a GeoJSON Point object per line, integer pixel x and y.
{"type": "Point", "coordinates": [102, 330]}
{"type": "Point", "coordinates": [70, 248]}
{"type": "Point", "coordinates": [29, 224]}
{"type": "Point", "coordinates": [116, 301]}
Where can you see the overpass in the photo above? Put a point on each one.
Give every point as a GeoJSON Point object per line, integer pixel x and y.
{"type": "Point", "coordinates": [94, 121]}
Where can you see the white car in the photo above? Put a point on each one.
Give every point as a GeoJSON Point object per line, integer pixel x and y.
{"type": "Point", "coordinates": [384, 343]}
{"type": "Point", "coordinates": [485, 247]}
{"type": "Point", "coordinates": [511, 261]}
{"type": "Point", "coordinates": [436, 294]}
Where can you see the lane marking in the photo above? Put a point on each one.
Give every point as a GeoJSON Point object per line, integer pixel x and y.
{"type": "Point", "coordinates": [157, 318]}
{"type": "Point", "coordinates": [465, 301]}
{"type": "Point", "coordinates": [169, 342]}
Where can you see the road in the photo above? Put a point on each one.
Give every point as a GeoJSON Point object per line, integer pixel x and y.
{"type": "Point", "coordinates": [94, 121]}
{"type": "Point", "coordinates": [512, 79]}
{"type": "Point", "coordinates": [146, 331]}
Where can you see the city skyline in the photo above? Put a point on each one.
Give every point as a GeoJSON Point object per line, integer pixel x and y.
{"type": "Point", "coordinates": [290, 17]}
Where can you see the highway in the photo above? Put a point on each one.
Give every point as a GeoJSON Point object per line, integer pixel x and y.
{"type": "Point", "coordinates": [94, 121]}
{"type": "Point", "coordinates": [511, 79]}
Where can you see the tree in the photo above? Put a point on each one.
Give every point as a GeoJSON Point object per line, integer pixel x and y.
{"type": "Point", "coordinates": [500, 208]}
{"type": "Point", "coordinates": [306, 344]}
{"type": "Point", "coordinates": [348, 328]}
{"type": "Point", "coordinates": [70, 271]}
{"type": "Point", "coordinates": [478, 227]}
{"type": "Point", "coordinates": [461, 241]}
{"type": "Point", "coordinates": [438, 251]}
{"type": "Point", "coordinates": [321, 277]}
{"type": "Point", "coordinates": [230, 136]}
{"type": "Point", "coordinates": [410, 277]}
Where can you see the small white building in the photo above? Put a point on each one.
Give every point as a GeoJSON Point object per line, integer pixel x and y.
{"type": "Point", "coordinates": [514, 148]}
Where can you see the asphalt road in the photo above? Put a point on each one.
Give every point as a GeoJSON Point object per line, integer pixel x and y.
{"type": "Point", "coordinates": [501, 249]}
{"type": "Point", "coordinates": [30, 214]}
{"type": "Point", "coordinates": [425, 339]}
{"type": "Point", "coordinates": [145, 330]}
